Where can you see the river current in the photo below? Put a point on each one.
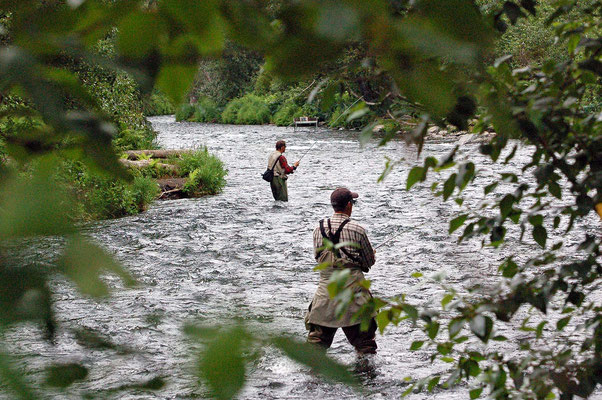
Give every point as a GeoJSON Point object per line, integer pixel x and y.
{"type": "Point", "coordinates": [241, 254]}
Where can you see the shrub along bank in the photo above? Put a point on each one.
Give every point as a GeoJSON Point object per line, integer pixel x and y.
{"type": "Point", "coordinates": [278, 108]}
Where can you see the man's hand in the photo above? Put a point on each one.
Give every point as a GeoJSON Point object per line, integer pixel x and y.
{"type": "Point", "coordinates": [296, 164]}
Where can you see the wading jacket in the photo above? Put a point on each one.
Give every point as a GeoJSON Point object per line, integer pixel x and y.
{"type": "Point", "coordinates": [282, 169]}
{"type": "Point", "coordinates": [357, 259]}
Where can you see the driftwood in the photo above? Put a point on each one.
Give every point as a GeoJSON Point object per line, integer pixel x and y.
{"type": "Point", "coordinates": [147, 163]}
{"type": "Point", "coordinates": [172, 188]}
{"type": "Point", "coordinates": [135, 154]}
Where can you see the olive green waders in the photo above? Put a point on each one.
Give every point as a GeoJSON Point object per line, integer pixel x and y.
{"type": "Point", "coordinates": [279, 189]}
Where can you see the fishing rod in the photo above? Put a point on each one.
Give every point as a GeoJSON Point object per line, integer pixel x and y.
{"type": "Point", "coordinates": [388, 240]}
{"type": "Point", "coordinates": [308, 150]}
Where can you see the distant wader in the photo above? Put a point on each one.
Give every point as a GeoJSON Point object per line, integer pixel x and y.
{"type": "Point", "coordinates": [320, 320]}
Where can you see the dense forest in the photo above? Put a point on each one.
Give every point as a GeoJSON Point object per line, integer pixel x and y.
{"type": "Point", "coordinates": [238, 88]}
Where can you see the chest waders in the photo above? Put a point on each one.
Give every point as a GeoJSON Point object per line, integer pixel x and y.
{"type": "Point", "coordinates": [335, 238]}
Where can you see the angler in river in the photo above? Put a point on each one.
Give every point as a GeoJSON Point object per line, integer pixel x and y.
{"type": "Point", "coordinates": [277, 162]}
{"type": "Point", "coordinates": [321, 319]}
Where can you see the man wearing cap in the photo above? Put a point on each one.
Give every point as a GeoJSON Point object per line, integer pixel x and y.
{"type": "Point", "coordinates": [321, 319]}
{"type": "Point", "coordinates": [278, 162]}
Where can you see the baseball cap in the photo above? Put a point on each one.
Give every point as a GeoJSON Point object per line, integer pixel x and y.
{"type": "Point", "coordinates": [341, 196]}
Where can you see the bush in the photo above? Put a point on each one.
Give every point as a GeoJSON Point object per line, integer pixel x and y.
{"type": "Point", "coordinates": [247, 110]}
{"type": "Point", "coordinates": [104, 197]}
{"type": "Point", "coordinates": [134, 139]}
{"type": "Point", "coordinates": [184, 112]}
{"type": "Point", "coordinates": [205, 110]}
{"type": "Point", "coordinates": [157, 104]}
{"type": "Point", "coordinates": [206, 173]}
{"type": "Point", "coordinates": [285, 115]}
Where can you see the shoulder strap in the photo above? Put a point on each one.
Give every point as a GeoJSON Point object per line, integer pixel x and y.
{"type": "Point", "coordinates": [336, 237]}
{"type": "Point", "coordinates": [278, 159]}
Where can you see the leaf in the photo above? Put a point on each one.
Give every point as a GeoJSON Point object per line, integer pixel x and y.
{"type": "Point", "coordinates": [540, 235]}
{"type": "Point", "coordinates": [222, 364]}
{"type": "Point", "coordinates": [446, 299]}
{"type": "Point", "coordinates": [481, 326]}
{"type": "Point", "coordinates": [382, 320]}
{"type": "Point", "coordinates": [139, 34]}
{"type": "Point", "coordinates": [475, 393]}
{"type": "Point", "coordinates": [433, 382]}
{"type": "Point", "coordinates": [449, 186]}
{"type": "Point", "coordinates": [509, 268]}
{"type": "Point", "coordinates": [316, 359]}
{"type": "Point", "coordinates": [554, 189]}
{"type": "Point", "coordinates": [506, 205]}
{"type": "Point", "coordinates": [539, 329]}
{"type": "Point", "coordinates": [328, 96]}
{"type": "Point", "coordinates": [175, 80]}
{"type": "Point", "coordinates": [417, 344]}
{"type": "Point", "coordinates": [455, 326]}
{"type": "Point", "coordinates": [199, 18]}
{"type": "Point", "coordinates": [562, 323]}
{"type": "Point", "coordinates": [432, 329]}
{"type": "Point", "coordinates": [63, 375]}
{"type": "Point", "coordinates": [457, 222]}
{"type": "Point", "coordinates": [416, 174]}
{"type": "Point", "coordinates": [14, 379]}
{"type": "Point", "coordinates": [411, 311]}
{"type": "Point", "coordinates": [536, 219]}
{"type": "Point", "coordinates": [84, 262]}
{"type": "Point", "coordinates": [33, 207]}
{"type": "Point", "coordinates": [490, 188]}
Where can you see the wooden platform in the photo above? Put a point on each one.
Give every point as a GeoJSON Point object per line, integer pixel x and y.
{"type": "Point", "coordinates": [305, 121]}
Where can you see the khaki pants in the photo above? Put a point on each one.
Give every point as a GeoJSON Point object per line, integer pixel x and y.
{"type": "Point", "coordinates": [364, 342]}
{"type": "Point", "coordinates": [279, 189]}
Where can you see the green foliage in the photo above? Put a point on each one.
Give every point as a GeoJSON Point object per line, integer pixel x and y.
{"type": "Point", "coordinates": [206, 173]}
{"type": "Point", "coordinates": [184, 112]}
{"type": "Point", "coordinates": [101, 197]}
{"type": "Point", "coordinates": [229, 77]}
{"type": "Point", "coordinates": [205, 110]}
{"type": "Point", "coordinates": [247, 110]}
{"type": "Point", "coordinates": [132, 139]}
{"type": "Point", "coordinates": [285, 115]}
{"type": "Point", "coordinates": [222, 364]}
{"type": "Point", "coordinates": [157, 104]}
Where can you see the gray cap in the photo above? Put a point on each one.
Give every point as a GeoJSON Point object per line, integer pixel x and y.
{"type": "Point", "coordinates": [341, 196]}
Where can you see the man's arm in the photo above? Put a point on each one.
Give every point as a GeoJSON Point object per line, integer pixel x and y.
{"type": "Point", "coordinates": [366, 252]}
{"type": "Point", "coordinates": [287, 168]}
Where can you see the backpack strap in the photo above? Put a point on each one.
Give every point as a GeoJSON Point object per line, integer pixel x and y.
{"type": "Point", "coordinates": [336, 237]}
{"type": "Point", "coordinates": [278, 159]}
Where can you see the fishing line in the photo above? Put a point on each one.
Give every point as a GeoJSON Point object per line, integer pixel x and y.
{"type": "Point", "coordinates": [343, 113]}
{"type": "Point", "coordinates": [388, 240]}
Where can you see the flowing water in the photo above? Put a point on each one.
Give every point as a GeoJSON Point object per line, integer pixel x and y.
{"type": "Point", "coordinates": [242, 254]}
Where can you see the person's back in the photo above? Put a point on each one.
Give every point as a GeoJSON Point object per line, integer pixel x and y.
{"type": "Point", "coordinates": [321, 319]}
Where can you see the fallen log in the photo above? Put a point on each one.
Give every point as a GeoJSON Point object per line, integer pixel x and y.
{"type": "Point", "coordinates": [136, 154]}
{"type": "Point", "coordinates": [140, 164]}
{"type": "Point", "coordinates": [172, 188]}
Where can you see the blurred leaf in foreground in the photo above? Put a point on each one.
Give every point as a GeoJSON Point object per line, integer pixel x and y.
{"type": "Point", "coordinates": [84, 262]}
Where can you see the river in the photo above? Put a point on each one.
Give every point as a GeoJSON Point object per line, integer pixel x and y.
{"type": "Point", "coordinates": [240, 253]}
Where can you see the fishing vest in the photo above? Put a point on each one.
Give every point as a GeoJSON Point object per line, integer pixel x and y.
{"type": "Point", "coordinates": [335, 239]}
{"type": "Point", "coordinates": [274, 160]}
